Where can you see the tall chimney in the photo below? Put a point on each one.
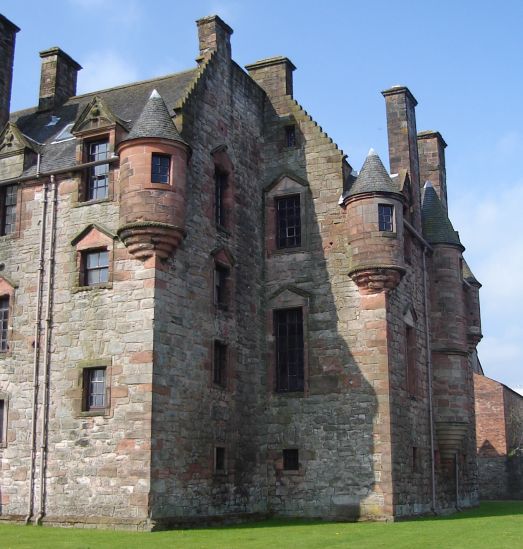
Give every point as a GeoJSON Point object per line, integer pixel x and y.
{"type": "Point", "coordinates": [431, 149]}
{"type": "Point", "coordinates": [57, 79]}
{"type": "Point", "coordinates": [214, 35]}
{"type": "Point", "coordinates": [403, 142]}
{"type": "Point", "coordinates": [274, 75]}
{"type": "Point", "coordinates": [7, 54]}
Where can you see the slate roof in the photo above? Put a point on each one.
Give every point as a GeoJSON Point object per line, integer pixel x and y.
{"type": "Point", "coordinates": [127, 102]}
{"type": "Point", "coordinates": [437, 228]}
{"type": "Point", "coordinates": [373, 178]}
{"type": "Point", "coordinates": [155, 121]}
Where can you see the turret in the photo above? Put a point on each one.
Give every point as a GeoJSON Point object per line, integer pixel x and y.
{"type": "Point", "coordinates": [375, 227]}
{"type": "Point", "coordinates": [471, 287]}
{"type": "Point", "coordinates": [153, 164]}
{"type": "Point", "coordinates": [452, 390]}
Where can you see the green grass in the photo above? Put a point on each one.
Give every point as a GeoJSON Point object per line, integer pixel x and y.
{"type": "Point", "coordinates": [493, 525]}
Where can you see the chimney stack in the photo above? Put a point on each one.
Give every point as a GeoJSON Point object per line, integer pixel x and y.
{"type": "Point", "coordinates": [214, 35]}
{"type": "Point", "coordinates": [7, 53]}
{"type": "Point", "coordinates": [274, 75]}
{"type": "Point", "coordinates": [57, 79]}
{"type": "Point", "coordinates": [403, 141]}
{"type": "Point", "coordinates": [431, 147]}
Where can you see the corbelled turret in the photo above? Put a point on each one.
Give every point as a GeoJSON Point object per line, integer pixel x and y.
{"type": "Point", "coordinates": [452, 380]}
{"type": "Point", "coordinates": [375, 217]}
{"type": "Point", "coordinates": [153, 163]}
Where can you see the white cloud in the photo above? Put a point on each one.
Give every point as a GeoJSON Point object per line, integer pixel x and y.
{"type": "Point", "coordinates": [104, 70]}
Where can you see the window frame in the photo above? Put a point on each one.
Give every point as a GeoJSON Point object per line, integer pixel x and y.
{"type": "Point", "coordinates": [87, 407]}
{"type": "Point", "coordinates": [161, 156]}
{"type": "Point", "coordinates": [283, 348]}
{"type": "Point", "coordinates": [282, 242]}
{"type": "Point", "coordinates": [91, 174]}
{"type": "Point", "coordinates": [386, 222]}
{"type": "Point", "coordinates": [8, 210]}
{"type": "Point", "coordinates": [85, 270]}
{"type": "Point", "coordinates": [4, 323]}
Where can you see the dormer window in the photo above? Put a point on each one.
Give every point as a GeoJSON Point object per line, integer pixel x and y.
{"type": "Point", "coordinates": [386, 217]}
{"type": "Point", "coordinates": [98, 176]}
{"type": "Point", "coordinates": [160, 168]}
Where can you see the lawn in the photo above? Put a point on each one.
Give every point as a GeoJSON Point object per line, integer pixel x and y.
{"type": "Point", "coordinates": [494, 525]}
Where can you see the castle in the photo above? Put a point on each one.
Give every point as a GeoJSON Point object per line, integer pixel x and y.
{"type": "Point", "coordinates": [207, 313]}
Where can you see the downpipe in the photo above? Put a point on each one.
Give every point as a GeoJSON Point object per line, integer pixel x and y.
{"type": "Point", "coordinates": [429, 374]}
{"type": "Point", "coordinates": [36, 354]}
{"type": "Point", "coordinates": [47, 348]}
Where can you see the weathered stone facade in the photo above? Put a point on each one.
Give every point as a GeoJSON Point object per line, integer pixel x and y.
{"type": "Point", "coordinates": [499, 431]}
{"type": "Point", "coordinates": [183, 322]}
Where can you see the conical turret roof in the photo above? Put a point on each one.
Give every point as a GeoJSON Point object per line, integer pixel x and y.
{"type": "Point", "coordinates": [437, 228]}
{"type": "Point", "coordinates": [155, 121]}
{"type": "Point", "coordinates": [373, 178]}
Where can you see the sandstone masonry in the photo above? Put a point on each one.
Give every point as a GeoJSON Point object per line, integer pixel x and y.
{"type": "Point", "coordinates": [207, 314]}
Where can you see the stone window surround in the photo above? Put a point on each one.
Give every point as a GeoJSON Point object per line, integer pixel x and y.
{"type": "Point", "coordinates": [286, 185]}
{"type": "Point", "coordinates": [16, 232]}
{"type": "Point", "coordinates": [79, 197]}
{"type": "Point", "coordinates": [79, 393]}
{"type": "Point", "coordinates": [217, 342]}
{"type": "Point", "coordinates": [223, 165]}
{"type": "Point", "coordinates": [287, 297]}
{"type": "Point", "coordinates": [93, 238]}
{"type": "Point", "coordinates": [216, 457]}
{"type": "Point", "coordinates": [7, 289]}
{"type": "Point", "coordinates": [224, 260]}
{"type": "Point", "coordinates": [4, 398]}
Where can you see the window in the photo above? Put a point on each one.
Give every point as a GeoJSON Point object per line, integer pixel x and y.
{"type": "Point", "coordinates": [219, 459]}
{"type": "Point", "coordinates": [220, 363]}
{"type": "Point", "coordinates": [4, 322]}
{"type": "Point", "coordinates": [3, 422]}
{"type": "Point", "coordinates": [291, 460]}
{"type": "Point", "coordinates": [290, 136]}
{"type": "Point", "coordinates": [220, 187]}
{"type": "Point", "coordinates": [412, 377]}
{"type": "Point", "coordinates": [96, 267]}
{"type": "Point", "coordinates": [288, 325]}
{"type": "Point", "coordinates": [160, 168]}
{"type": "Point", "coordinates": [386, 217]}
{"type": "Point", "coordinates": [94, 389]}
{"type": "Point", "coordinates": [288, 221]}
{"type": "Point", "coordinates": [98, 176]}
{"type": "Point", "coordinates": [221, 286]}
{"type": "Point", "coordinates": [8, 209]}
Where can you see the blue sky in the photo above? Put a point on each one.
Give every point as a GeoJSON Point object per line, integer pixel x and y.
{"type": "Point", "coordinates": [460, 59]}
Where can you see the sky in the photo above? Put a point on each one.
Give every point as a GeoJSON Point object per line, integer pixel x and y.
{"type": "Point", "coordinates": [460, 59]}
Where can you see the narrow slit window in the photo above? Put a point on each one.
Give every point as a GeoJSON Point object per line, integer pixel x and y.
{"type": "Point", "coordinates": [221, 286]}
{"type": "Point", "coordinates": [220, 187]}
{"type": "Point", "coordinates": [288, 221]}
{"type": "Point", "coordinates": [288, 324]}
{"type": "Point", "coordinates": [386, 217]}
{"type": "Point", "coordinates": [220, 363]}
{"type": "Point", "coordinates": [219, 459]}
{"type": "Point", "coordinates": [290, 136]}
{"type": "Point", "coordinates": [160, 168]}
{"type": "Point", "coordinates": [3, 428]}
